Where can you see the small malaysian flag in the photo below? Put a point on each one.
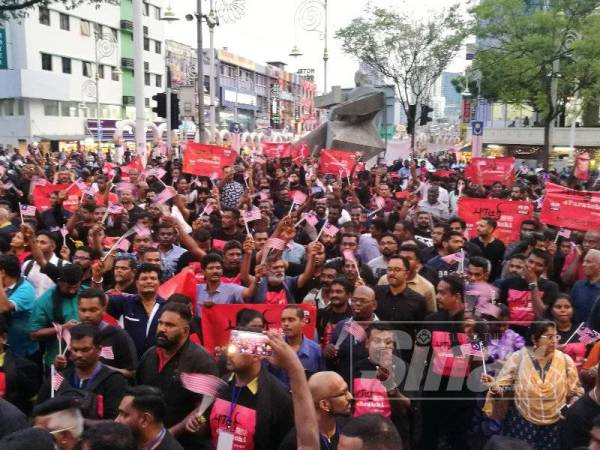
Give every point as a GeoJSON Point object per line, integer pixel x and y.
{"type": "Point", "coordinates": [91, 191]}
{"type": "Point", "coordinates": [208, 209]}
{"type": "Point", "coordinates": [58, 329]}
{"type": "Point", "coordinates": [470, 349]}
{"type": "Point", "coordinates": [349, 256]}
{"type": "Point", "coordinates": [330, 230]}
{"type": "Point", "coordinates": [165, 195]}
{"type": "Point", "coordinates": [379, 202]}
{"type": "Point", "coordinates": [107, 353]}
{"type": "Point", "coordinates": [66, 336]}
{"type": "Point", "coordinates": [142, 231]}
{"type": "Point", "coordinates": [81, 184]}
{"type": "Point", "coordinates": [158, 172]}
{"type": "Point", "coordinates": [123, 245]}
{"type": "Point", "coordinates": [564, 233]}
{"type": "Point", "coordinates": [28, 210]}
{"type": "Point", "coordinates": [200, 383]}
{"type": "Point", "coordinates": [299, 197]}
{"type": "Point", "coordinates": [312, 219]}
{"type": "Point", "coordinates": [250, 215]}
{"type": "Point", "coordinates": [114, 209]}
{"type": "Point", "coordinates": [354, 329]}
{"type": "Point", "coordinates": [57, 380]}
{"type": "Point", "coordinates": [587, 335]}
{"type": "Point", "coordinates": [275, 243]}
{"type": "Point", "coordinates": [264, 195]}
{"type": "Point", "coordinates": [452, 258]}
{"type": "Point", "coordinates": [125, 186]}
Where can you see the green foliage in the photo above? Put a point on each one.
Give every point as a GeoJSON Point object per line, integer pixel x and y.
{"type": "Point", "coordinates": [412, 54]}
{"type": "Point", "coordinates": [521, 41]}
{"type": "Point", "coordinates": [17, 9]}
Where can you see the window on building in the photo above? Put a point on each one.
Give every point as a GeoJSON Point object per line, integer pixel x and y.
{"type": "Point", "coordinates": [146, 102]}
{"type": "Point", "coordinates": [157, 13]}
{"type": "Point", "coordinates": [20, 107]}
{"type": "Point", "coordinates": [9, 107]}
{"type": "Point", "coordinates": [147, 79]}
{"type": "Point", "coordinates": [146, 44]}
{"type": "Point", "coordinates": [158, 80]}
{"type": "Point", "coordinates": [97, 29]}
{"type": "Point", "coordinates": [44, 16]}
{"type": "Point", "coordinates": [50, 107]}
{"type": "Point", "coordinates": [66, 65]}
{"type": "Point", "coordinates": [114, 74]}
{"type": "Point", "coordinates": [146, 9]}
{"type": "Point", "coordinates": [157, 47]}
{"type": "Point", "coordinates": [65, 109]}
{"type": "Point", "coordinates": [86, 69]}
{"type": "Point", "coordinates": [101, 71]}
{"type": "Point", "coordinates": [46, 61]}
{"type": "Point", "coordinates": [84, 28]}
{"type": "Point", "coordinates": [145, 29]}
{"type": "Point", "coordinates": [64, 22]}
{"type": "Point", "coordinates": [115, 34]}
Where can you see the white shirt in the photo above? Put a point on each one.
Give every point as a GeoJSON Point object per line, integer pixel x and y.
{"type": "Point", "coordinates": [40, 281]}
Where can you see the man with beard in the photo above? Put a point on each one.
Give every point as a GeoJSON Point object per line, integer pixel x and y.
{"type": "Point", "coordinates": [276, 288]}
{"type": "Point", "coordinates": [104, 196]}
{"type": "Point", "coordinates": [169, 252]}
{"type": "Point", "coordinates": [338, 309]}
{"type": "Point", "coordinates": [83, 258]}
{"type": "Point", "coordinates": [229, 230]}
{"type": "Point", "coordinates": [320, 296]}
{"type": "Point", "coordinates": [492, 249]}
{"type": "Point", "coordinates": [89, 374]}
{"type": "Point", "coordinates": [143, 410]}
{"type": "Point", "coordinates": [161, 365]}
{"type": "Point", "coordinates": [57, 215]}
{"type": "Point", "coordinates": [232, 258]}
{"type": "Point", "coordinates": [123, 274]}
{"type": "Point", "coordinates": [388, 246]}
{"type": "Point", "coordinates": [333, 404]}
{"type": "Point", "coordinates": [139, 313]}
{"type": "Point", "coordinates": [452, 243]}
{"type": "Point", "coordinates": [117, 349]}
{"type": "Point", "coordinates": [437, 234]}
{"type": "Point", "coordinates": [231, 190]}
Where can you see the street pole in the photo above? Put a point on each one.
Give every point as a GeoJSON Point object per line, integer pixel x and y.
{"type": "Point", "coordinates": [237, 87]}
{"type": "Point", "coordinates": [168, 91]}
{"type": "Point", "coordinates": [140, 113]}
{"type": "Point", "coordinates": [211, 84]}
{"type": "Point", "coordinates": [97, 78]}
{"type": "Point", "coordinates": [200, 58]}
{"type": "Point", "coordinates": [325, 52]}
{"type": "Point", "coordinates": [554, 98]}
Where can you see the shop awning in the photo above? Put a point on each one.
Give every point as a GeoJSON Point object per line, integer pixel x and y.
{"type": "Point", "coordinates": [61, 137]}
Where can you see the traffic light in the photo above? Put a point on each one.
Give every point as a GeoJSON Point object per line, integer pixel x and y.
{"type": "Point", "coordinates": [410, 120]}
{"type": "Point", "coordinates": [425, 110]}
{"type": "Point", "coordinates": [161, 104]}
{"type": "Point", "coordinates": [175, 122]}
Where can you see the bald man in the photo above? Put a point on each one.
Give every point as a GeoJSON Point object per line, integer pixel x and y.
{"type": "Point", "coordinates": [585, 293]}
{"type": "Point", "coordinates": [363, 307]}
{"type": "Point", "coordinates": [333, 402]}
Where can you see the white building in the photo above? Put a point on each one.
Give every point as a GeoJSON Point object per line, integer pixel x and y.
{"type": "Point", "coordinates": [47, 91]}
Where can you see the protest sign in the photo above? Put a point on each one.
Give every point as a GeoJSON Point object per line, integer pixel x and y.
{"type": "Point", "coordinates": [338, 162]}
{"type": "Point", "coordinates": [219, 320]}
{"type": "Point", "coordinates": [508, 214]}
{"type": "Point", "coordinates": [41, 196]}
{"type": "Point", "coordinates": [205, 160]}
{"type": "Point", "coordinates": [277, 149]}
{"type": "Point", "coordinates": [487, 171]}
{"type": "Point", "coordinates": [568, 208]}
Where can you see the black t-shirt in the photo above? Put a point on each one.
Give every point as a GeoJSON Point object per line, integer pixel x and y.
{"type": "Point", "coordinates": [578, 422]}
{"type": "Point", "coordinates": [120, 346]}
{"type": "Point", "coordinates": [222, 236]}
{"type": "Point", "coordinates": [548, 289]}
{"type": "Point", "coordinates": [408, 306]}
{"type": "Point", "coordinates": [494, 253]}
{"type": "Point", "coordinates": [327, 318]}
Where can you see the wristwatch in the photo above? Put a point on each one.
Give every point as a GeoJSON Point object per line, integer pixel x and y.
{"type": "Point", "coordinates": [532, 286]}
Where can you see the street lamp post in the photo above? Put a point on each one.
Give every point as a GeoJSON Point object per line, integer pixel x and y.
{"type": "Point", "coordinates": [311, 15]}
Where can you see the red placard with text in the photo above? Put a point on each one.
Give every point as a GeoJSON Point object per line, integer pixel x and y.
{"type": "Point", "coordinates": [508, 214]}
{"type": "Point", "coordinates": [206, 160]}
{"type": "Point", "coordinates": [41, 196]}
{"type": "Point", "coordinates": [277, 149]}
{"type": "Point", "coordinates": [337, 162]}
{"type": "Point", "coordinates": [487, 171]}
{"type": "Point", "coordinates": [219, 320]}
{"type": "Point", "coordinates": [567, 208]}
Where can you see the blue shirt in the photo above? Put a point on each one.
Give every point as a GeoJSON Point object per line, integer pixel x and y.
{"type": "Point", "coordinates": [22, 296]}
{"type": "Point", "coordinates": [584, 295]}
{"type": "Point", "coordinates": [140, 326]}
{"type": "Point", "coordinates": [310, 356]}
{"type": "Point", "coordinates": [225, 294]}
{"type": "Point", "coordinates": [170, 259]}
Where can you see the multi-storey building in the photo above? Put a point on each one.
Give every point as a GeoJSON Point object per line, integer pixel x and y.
{"type": "Point", "coordinates": [54, 57]}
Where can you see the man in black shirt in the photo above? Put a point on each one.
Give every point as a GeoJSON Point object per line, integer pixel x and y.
{"type": "Point", "coordinates": [161, 365]}
{"type": "Point", "coordinates": [87, 373]}
{"type": "Point", "coordinates": [579, 419]}
{"type": "Point", "coordinates": [338, 309]}
{"type": "Point", "coordinates": [143, 410]}
{"type": "Point", "coordinates": [229, 230]}
{"type": "Point", "coordinates": [492, 249]}
{"type": "Point", "coordinates": [398, 303]}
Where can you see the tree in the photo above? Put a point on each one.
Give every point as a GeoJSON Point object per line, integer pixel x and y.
{"type": "Point", "coordinates": [16, 9]}
{"type": "Point", "coordinates": [411, 53]}
{"type": "Point", "coordinates": [539, 54]}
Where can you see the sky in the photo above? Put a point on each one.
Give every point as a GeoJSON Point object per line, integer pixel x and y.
{"type": "Point", "coordinates": [267, 32]}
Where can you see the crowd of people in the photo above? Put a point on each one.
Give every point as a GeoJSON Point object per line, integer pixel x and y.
{"type": "Point", "coordinates": [363, 315]}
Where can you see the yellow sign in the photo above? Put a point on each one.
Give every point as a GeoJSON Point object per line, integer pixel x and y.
{"type": "Point", "coordinates": [236, 60]}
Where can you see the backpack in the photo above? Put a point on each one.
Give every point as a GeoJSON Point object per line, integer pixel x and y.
{"type": "Point", "coordinates": [32, 262]}
{"type": "Point", "coordinates": [90, 403]}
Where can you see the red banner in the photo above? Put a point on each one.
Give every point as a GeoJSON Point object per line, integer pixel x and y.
{"type": "Point", "coordinates": [219, 320]}
{"type": "Point", "coordinates": [487, 171]}
{"type": "Point", "coordinates": [183, 283]}
{"type": "Point", "coordinates": [300, 153]}
{"type": "Point", "coordinates": [41, 196]}
{"type": "Point", "coordinates": [206, 160]}
{"type": "Point", "coordinates": [277, 149]}
{"type": "Point", "coordinates": [567, 208]}
{"type": "Point", "coordinates": [337, 162]}
{"type": "Point", "coordinates": [509, 215]}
